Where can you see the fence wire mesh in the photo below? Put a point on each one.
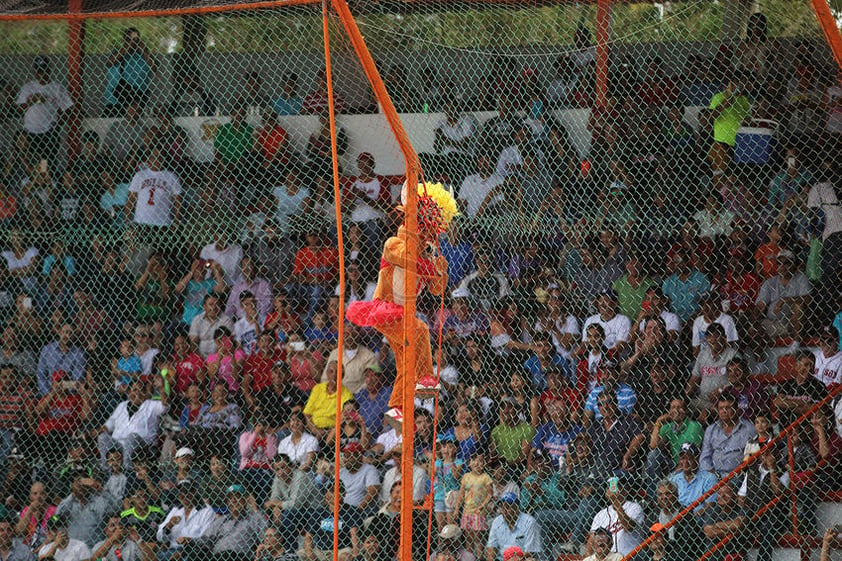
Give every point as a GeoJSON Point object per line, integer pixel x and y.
{"type": "Point", "coordinates": [642, 286]}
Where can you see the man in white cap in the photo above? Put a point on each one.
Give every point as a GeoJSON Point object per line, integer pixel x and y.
{"type": "Point", "coordinates": [784, 298]}
{"type": "Point", "coordinates": [451, 547]}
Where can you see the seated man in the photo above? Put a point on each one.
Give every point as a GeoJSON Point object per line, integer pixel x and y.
{"type": "Point", "coordinates": [783, 299]}
{"type": "Point", "coordinates": [690, 482]}
{"type": "Point", "coordinates": [360, 480]}
{"type": "Point", "coordinates": [625, 395]}
{"type": "Point", "coordinates": [601, 543]}
{"type": "Point", "coordinates": [711, 308]}
{"type": "Point", "coordinates": [710, 372]}
{"type": "Point", "coordinates": [616, 326]}
{"type": "Point", "coordinates": [829, 358]}
{"type": "Point", "coordinates": [685, 535]}
{"type": "Point", "coordinates": [555, 437]}
{"type": "Point", "coordinates": [752, 397]}
{"type": "Point", "coordinates": [133, 423]}
{"type": "Point", "coordinates": [671, 431]}
{"type": "Point", "coordinates": [59, 546]}
{"type": "Point", "coordinates": [796, 396]}
{"type": "Point", "coordinates": [725, 439]}
{"type": "Point", "coordinates": [86, 509]}
{"type": "Point", "coordinates": [616, 438]}
{"type": "Point", "coordinates": [233, 536]}
{"type": "Point", "coordinates": [318, 536]}
{"type": "Point", "coordinates": [486, 286]}
{"type": "Point", "coordinates": [724, 518]}
{"type": "Point", "coordinates": [185, 522]}
{"type": "Point", "coordinates": [623, 518]}
{"type": "Point", "coordinates": [761, 483]}
{"type": "Point", "coordinates": [320, 409]}
{"type": "Point", "coordinates": [512, 528]}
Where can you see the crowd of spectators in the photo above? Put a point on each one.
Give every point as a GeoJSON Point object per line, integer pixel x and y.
{"type": "Point", "coordinates": [168, 372]}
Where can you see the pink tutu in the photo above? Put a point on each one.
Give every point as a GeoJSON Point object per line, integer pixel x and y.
{"type": "Point", "coordinates": [374, 313]}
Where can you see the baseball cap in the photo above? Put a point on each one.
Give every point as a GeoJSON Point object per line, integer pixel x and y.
{"type": "Point", "coordinates": [786, 254]}
{"type": "Point", "coordinates": [460, 293]}
{"type": "Point", "coordinates": [689, 448]}
{"type": "Point", "coordinates": [353, 447]}
{"type": "Point", "coordinates": [447, 437]}
{"type": "Point", "coordinates": [450, 532]}
{"type": "Point", "coordinates": [656, 527]}
{"type": "Point", "coordinates": [513, 552]}
{"type": "Point", "coordinates": [374, 367]}
{"type": "Point", "coordinates": [509, 498]}
{"type": "Point", "coordinates": [185, 451]}
{"type": "Point", "coordinates": [608, 292]}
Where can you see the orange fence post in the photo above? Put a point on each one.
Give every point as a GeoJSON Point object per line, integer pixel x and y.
{"type": "Point", "coordinates": [410, 282]}
{"type": "Point", "coordinates": [603, 36]}
{"type": "Point", "coordinates": [75, 52]}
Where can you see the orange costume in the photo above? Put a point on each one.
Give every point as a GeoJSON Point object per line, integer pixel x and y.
{"type": "Point", "coordinates": [384, 313]}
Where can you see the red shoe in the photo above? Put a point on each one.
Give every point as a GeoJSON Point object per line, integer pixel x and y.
{"type": "Point", "coordinates": [427, 383]}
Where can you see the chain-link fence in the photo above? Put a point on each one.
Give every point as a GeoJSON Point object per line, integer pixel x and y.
{"type": "Point", "coordinates": [642, 285]}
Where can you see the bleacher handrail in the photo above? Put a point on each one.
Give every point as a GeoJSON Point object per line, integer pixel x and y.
{"type": "Point", "coordinates": [738, 470]}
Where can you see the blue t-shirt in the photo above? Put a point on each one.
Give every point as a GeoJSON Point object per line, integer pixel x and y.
{"type": "Point", "coordinates": [466, 448]}
{"type": "Point", "coordinates": [537, 375]}
{"type": "Point", "coordinates": [445, 482]}
{"type": "Point", "coordinates": [626, 399]}
{"type": "Point", "coordinates": [460, 260]}
{"type": "Point", "coordinates": [553, 441]}
{"type": "Point", "coordinates": [50, 261]}
{"type": "Point", "coordinates": [287, 106]}
{"type": "Point", "coordinates": [136, 71]}
{"type": "Point", "coordinates": [372, 410]}
{"type": "Point", "coordinates": [130, 365]}
{"type": "Point", "coordinates": [837, 323]}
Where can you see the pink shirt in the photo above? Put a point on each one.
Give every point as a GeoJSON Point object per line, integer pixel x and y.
{"type": "Point", "coordinates": [226, 369]}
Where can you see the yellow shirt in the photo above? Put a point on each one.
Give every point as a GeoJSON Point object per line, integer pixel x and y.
{"type": "Point", "coordinates": [321, 406]}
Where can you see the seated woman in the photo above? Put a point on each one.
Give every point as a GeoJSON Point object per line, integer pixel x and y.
{"type": "Point", "coordinates": [216, 425]}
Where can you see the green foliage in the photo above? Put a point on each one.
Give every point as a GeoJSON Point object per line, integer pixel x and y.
{"type": "Point", "coordinates": [486, 29]}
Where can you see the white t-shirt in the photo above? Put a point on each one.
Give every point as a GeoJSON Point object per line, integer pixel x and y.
{"type": "Point", "coordinates": [246, 334]}
{"type": "Point", "coordinates": [828, 369]}
{"type": "Point", "coordinates": [363, 211]}
{"type": "Point", "coordinates": [671, 320]}
{"type": "Point", "coordinates": [837, 411]}
{"type": "Point", "coordinates": [228, 258]}
{"type": "Point", "coordinates": [823, 196]}
{"type": "Point", "coordinates": [624, 541]}
{"type": "Point", "coordinates": [156, 193]}
{"type": "Point", "coordinates": [357, 483]}
{"type": "Point", "coordinates": [567, 326]}
{"type": "Point", "coordinates": [75, 551]}
{"type": "Point", "coordinates": [616, 329]}
{"type": "Point", "coordinates": [463, 128]}
{"type": "Point", "coordinates": [147, 359]}
{"type": "Point", "coordinates": [13, 263]}
{"type": "Point", "coordinates": [42, 116]}
{"type": "Point", "coordinates": [143, 423]}
{"type": "Point", "coordinates": [700, 326]}
{"type": "Point", "coordinates": [475, 189]}
{"type": "Point", "coordinates": [510, 161]}
{"type": "Point", "coordinates": [298, 452]}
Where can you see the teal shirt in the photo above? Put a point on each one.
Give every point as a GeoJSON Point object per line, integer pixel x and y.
{"type": "Point", "coordinates": [551, 496]}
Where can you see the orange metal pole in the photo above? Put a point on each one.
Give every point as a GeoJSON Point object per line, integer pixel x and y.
{"type": "Point", "coordinates": [412, 170]}
{"type": "Point", "coordinates": [340, 355]}
{"type": "Point", "coordinates": [603, 36]}
{"type": "Point", "coordinates": [75, 53]}
{"type": "Point", "coordinates": [831, 30]}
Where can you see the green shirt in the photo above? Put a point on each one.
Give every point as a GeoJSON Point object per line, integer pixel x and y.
{"type": "Point", "coordinates": [232, 144]}
{"type": "Point", "coordinates": [725, 127]}
{"type": "Point", "coordinates": [551, 496]}
{"type": "Point", "coordinates": [630, 298]}
{"type": "Point", "coordinates": [508, 440]}
{"type": "Point", "coordinates": [689, 431]}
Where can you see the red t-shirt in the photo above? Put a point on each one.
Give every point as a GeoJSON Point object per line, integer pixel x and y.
{"type": "Point", "coordinates": [62, 415]}
{"type": "Point", "coordinates": [741, 290]}
{"type": "Point", "coordinates": [259, 367]}
{"type": "Point", "coordinates": [766, 256]}
{"type": "Point", "coordinates": [270, 141]}
{"type": "Point", "coordinates": [187, 371]}
{"type": "Point", "coordinates": [319, 262]}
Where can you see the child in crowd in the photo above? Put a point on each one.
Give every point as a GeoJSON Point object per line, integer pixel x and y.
{"type": "Point", "coordinates": [448, 472]}
{"type": "Point", "coordinates": [475, 494]}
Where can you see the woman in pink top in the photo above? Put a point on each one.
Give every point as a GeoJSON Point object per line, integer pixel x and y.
{"type": "Point", "coordinates": [226, 364]}
{"type": "Point", "coordinates": [257, 449]}
{"type": "Point", "coordinates": [32, 526]}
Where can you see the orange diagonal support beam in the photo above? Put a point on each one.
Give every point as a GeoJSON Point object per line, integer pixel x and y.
{"type": "Point", "coordinates": [830, 29]}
